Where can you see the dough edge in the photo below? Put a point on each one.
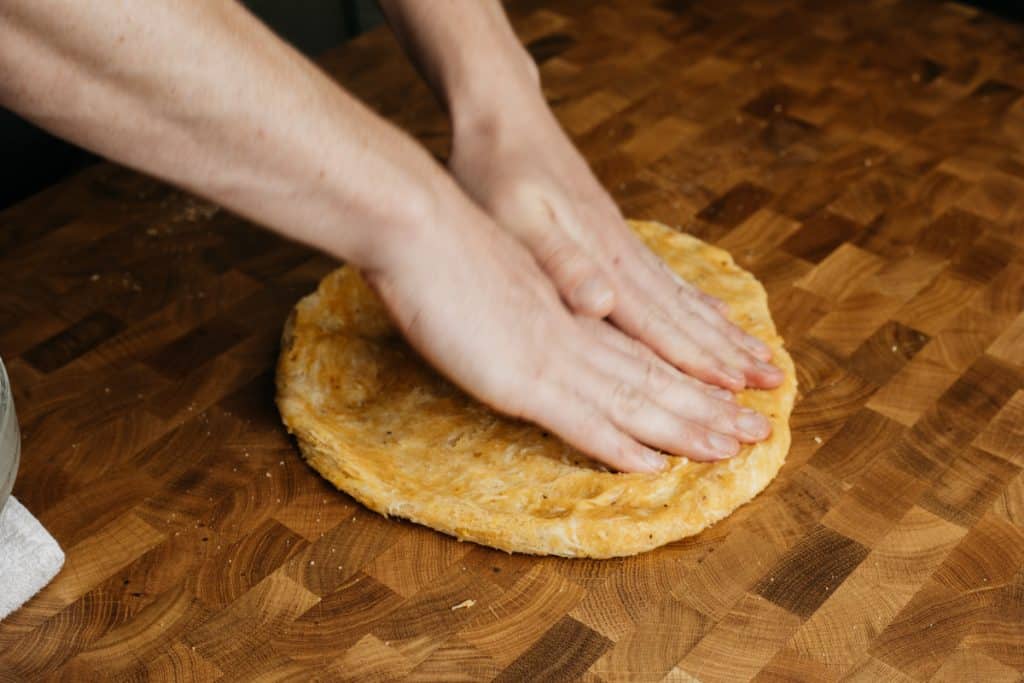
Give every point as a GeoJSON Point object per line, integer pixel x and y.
{"type": "Point", "coordinates": [705, 504]}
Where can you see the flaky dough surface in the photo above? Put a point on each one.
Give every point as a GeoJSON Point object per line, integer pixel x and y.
{"type": "Point", "coordinates": [375, 420]}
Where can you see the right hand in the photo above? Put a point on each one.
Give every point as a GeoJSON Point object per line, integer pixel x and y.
{"type": "Point", "coordinates": [476, 305]}
{"type": "Point", "coordinates": [514, 159]}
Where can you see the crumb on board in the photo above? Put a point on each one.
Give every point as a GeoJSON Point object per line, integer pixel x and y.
{"type": "Point", "coordinates": [463, 604]}
{"type": "Point", "coordinates": [817, 440]}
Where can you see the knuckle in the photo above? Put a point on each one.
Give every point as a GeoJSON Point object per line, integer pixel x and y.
{"type": "Point", "coordinates": [690, 433]}
{"type": "Point", "coordinates": [564, 259]}
{"type": "Point", "coordinates": [653, 321]}
{"type": "Point", "coordinates": [556, 254]}
{"type": "Point", "coordinates": [684, 290]}
{"type": "Point", "coordinates": [732, 356]}
{"type": "Point", "coordinates": [722, 367]}
{"type": "Point", "coordinates": [655, 378]}
{"type": "Point", "coordinates": [626, 401]}
{"type": "Point", "coordinates": [689, 319]}
{"type": "Point", "coordinates": [732, 332]}
{"type": "Point", "coordinates": [638, 349]}
{"type": "Point", "coordinates": [722, 418]}
{"type": "Point", "coordinates": [710, 365]}
{"type": "Point", "coordinates": [700, 358]}
{"type": "Point", "coordinates": [687, 354]}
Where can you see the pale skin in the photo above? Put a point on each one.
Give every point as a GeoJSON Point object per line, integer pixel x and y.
{"type": "Point", "coordinates": [512, 271]}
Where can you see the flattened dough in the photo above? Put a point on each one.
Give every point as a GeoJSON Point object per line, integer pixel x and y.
{"type": "Point", "coordinates": [376, 421]}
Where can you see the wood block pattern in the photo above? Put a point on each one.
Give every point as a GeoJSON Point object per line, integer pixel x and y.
{"type": "Point", "coordinates": [863, 159]}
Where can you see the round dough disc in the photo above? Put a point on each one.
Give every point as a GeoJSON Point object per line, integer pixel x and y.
{"type": "Point", "coordinates": [375, 420]}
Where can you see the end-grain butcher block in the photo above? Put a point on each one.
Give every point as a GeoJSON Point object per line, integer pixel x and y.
{"type": "Point", "coordinates": [375, 420]}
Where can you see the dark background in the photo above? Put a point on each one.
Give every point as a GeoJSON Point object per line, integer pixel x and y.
{"type": "Point", "coordinates": [34, 160]}
{"type": "Point", "coordinates": [1008, 8]}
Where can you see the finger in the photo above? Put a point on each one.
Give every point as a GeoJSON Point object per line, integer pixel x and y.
{"type": "Point", "coordinates": [682, 399]}
{"type": "Point", "coordinates": [714, 310]}
{"type": "Point", "coordinates": [617, 340]}
{"type": "Point", "coordinates": [651, 325]}
{"type": "Point", "coordinates": [646, 421]}
{"type": "Point", "coordinates": [581, 282]}
{"type": "Point", "coordinates": [733, 347]}
{"type": "Point", "coordinates": [756, 366]}
{"type": "Point", "coordinates": [705, 332]}
{"type": "Point", "coordinates": [626, 406]}
{"type": "Point", "coordinates": [712, 301]}
{"type": "Point", "coordinates": [657, 310]}
{"type": "Point", "coordinates": [582, 425]}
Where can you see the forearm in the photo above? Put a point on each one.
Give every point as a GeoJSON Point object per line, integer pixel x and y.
{"type": "Point", "coordinates": [203, 95]}
{"type": "Point", "coordinates": [468, 52]}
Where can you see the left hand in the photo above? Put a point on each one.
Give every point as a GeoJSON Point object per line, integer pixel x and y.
{"type": "Point", "coordinates": [522, 169]}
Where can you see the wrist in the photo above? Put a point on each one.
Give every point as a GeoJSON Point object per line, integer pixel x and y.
{"type": "Point", "coordinates": [381, 232]}
{"type": "Point", "coordinates": [395, 234]}
{"type": "Point", "coordinates": [495, 95]}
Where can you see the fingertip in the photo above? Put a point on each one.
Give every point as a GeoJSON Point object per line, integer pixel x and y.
{"type": "Point", "coordinates": [714, 302]}
{"type": "Point", "coordinates": [653, 461]}
{"type": "Point", "coordinates": [642, 460]}
{"type": "Point", "coordinates": [722, 446]}
{"type": "Point", "coordinates": [758, 348]}
{"type": "Point", "coordinates": [752, 425]}
{"type": "Point", "coordinates": [771, 376]}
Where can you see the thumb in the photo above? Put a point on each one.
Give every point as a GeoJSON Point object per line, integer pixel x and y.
{"type": "Point", "coordinates": [579, 279]}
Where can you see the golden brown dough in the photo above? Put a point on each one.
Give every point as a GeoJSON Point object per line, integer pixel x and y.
{"type": "Point", "coordinates": [376, 421]}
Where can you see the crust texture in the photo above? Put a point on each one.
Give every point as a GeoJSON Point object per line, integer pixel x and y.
{"type": "Point", "coordinates": [377, 422]}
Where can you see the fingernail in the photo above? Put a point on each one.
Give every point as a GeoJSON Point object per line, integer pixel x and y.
{"type": "Point", "coordinates": [722, 394]}
{"type": "Point", "coordinates": [735, 375]}
{"type": "Point", "coordinates": [716, 303]}
{"type": "Point", "coordinates": [757, 346]}
{"type": "Point", "coordinates": [768, 368]}
{"type": "Point", "coordinates": [593, 294]}
{"type": "Point", "coordinates": [752, 423]}
{"type": "Point", "coordinates": [724, 446]}
{"type": "Point", "coordinates": [655, 461]}
{"type": "Point", "coordinates": [675, 276]}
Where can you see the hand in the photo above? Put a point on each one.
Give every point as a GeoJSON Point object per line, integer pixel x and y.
{"type": "Point", "coordinates": [474, 302]}
{"type": "Point", "coordinates": [520, 166]}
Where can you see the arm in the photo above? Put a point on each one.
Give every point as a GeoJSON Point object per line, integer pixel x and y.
{"type": "Point", "coordinates": [510, 154]}
{"type": "Point", "coordinates": [469, 55]}
{"type": "Point", "coordinates": [201, 94]}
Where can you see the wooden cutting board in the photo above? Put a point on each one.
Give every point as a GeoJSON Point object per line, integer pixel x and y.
{"type": "Point", "coordinates": [864, 159]}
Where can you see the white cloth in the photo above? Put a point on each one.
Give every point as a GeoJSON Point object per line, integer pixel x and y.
{"type": "Point", "coordinates": [29, 556]}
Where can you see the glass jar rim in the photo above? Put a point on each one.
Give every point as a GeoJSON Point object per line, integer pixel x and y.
{"type": "Point", "coordinates": [6, 397]}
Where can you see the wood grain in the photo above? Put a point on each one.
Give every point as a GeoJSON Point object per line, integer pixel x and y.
{"type": "Point", "coordinates": [863, 159]}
